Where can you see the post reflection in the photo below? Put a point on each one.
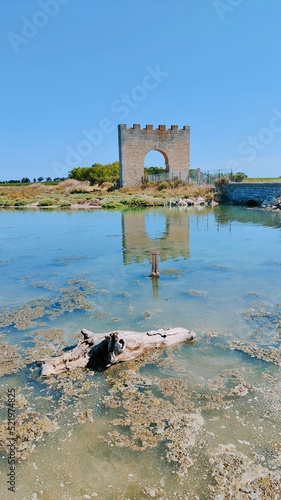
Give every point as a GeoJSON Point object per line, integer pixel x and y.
{"type": "Point", "coordinates": [155, 287]}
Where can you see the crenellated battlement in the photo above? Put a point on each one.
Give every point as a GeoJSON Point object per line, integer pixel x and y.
{"type": "Point", "coordinates": [162, 128]}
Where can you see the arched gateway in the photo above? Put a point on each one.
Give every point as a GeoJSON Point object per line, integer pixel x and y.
{"type": "Point", "coordinates": [136, 142]}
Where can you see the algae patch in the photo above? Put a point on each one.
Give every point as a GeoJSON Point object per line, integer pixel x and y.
{"type": "Point", "coordinates": [238, 476]}
{"type": "Point", "coordinates": [196, 293]}
{"type": "Point", "coordinates": [66, 299]}
{"type": "Point", "coordinates": [30, 427]}
{"type": "Point", "coordinates": [152, 413]}
{"type": "Point", "coordinates": [271, 355]}
{"type": "Point", "coordinates": [46, 342]}
{"type": "Point", "coordinates": [11, 360]}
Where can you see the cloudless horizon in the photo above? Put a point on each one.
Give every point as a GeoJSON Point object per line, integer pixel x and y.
{"type": "Point", "coordinates": [72, 71]}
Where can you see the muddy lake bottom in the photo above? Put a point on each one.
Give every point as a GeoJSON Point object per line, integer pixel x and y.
{"type": "Point", "coordinates": [197, 421]}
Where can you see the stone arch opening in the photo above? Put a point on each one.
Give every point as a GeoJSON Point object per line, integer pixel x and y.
{"type": "Point", "coordinates": [252, 203]}
{"type": "Point", "coordinates": [156, 158]}
{"type": "Point", "coordinates": [156, 225]}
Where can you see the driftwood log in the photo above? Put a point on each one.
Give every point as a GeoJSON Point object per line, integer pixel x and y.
{"type": "Point", "coordinates": [99, 351]}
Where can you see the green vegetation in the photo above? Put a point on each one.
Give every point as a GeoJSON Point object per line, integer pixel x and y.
{"type": "Point", "coordinates": [46, 203]}
{"type": "Point", "coordinates": [112, 204]}
{"type": "Point", "coordinates": [222, 181]}
{"type": "Point", "coordinates": [154, 170]}
{"type": "Point", "coordinates": [136, 202]}
{"type": "Point", "coordinates": [264, 179]}
{"type": "Point", "coordinates": [209, 196]}
{"type": "Point", "coordinates": [97, 173]}
{"type": "Point", "coordinates": [132, 201]}
{"type": "Point", "coordinates": [6, 202]}
{"type": "Point", "coordinates": [237, 177]}
{"type": "Point", "coordinates": [79, 191]}
{"type": "Point", "coordinates": [163, 185]}
{"type": "Point", "coordinates": [65, 204]}
{"type": "Point", "coordinates": [20, 203]}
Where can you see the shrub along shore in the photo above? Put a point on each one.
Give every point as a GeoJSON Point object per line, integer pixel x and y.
{"type": "Point", "coordinates": [73, 194]}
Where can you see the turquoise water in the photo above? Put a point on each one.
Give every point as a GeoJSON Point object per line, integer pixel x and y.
{"type": "Point", "coordinates": [220, 271]}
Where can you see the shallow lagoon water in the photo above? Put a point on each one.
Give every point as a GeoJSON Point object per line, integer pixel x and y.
{"type": "Point", "coordinates": [197, 421]}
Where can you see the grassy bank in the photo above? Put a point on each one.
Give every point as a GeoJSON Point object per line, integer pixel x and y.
{"type": "Point", "coordinates": [75, 194]}
{"type": "Point", "coordinates": [263, 179]}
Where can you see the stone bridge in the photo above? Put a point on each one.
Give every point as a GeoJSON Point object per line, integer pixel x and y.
{"type": "Point", "coordinates": [251, 193]}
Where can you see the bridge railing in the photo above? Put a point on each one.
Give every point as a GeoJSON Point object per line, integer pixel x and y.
{"type": "Point", "coordinates": [195, 177]}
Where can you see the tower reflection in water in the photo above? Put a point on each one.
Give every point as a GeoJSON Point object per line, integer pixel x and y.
{"type": "Point", "coordinates": [146, 231]}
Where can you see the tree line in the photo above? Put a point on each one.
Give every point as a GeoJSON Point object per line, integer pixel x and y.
{"type": "Point", "coordinates": [26, 180]}
{"type": "Point", "coordinates": [98, 173]}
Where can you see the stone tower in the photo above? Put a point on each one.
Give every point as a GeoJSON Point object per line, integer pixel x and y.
{"type": "Point", "coordinates": [136, 142]}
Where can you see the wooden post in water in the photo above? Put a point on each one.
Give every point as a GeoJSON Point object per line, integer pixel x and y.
{"type": "Point", "coordinates": [154, 265]}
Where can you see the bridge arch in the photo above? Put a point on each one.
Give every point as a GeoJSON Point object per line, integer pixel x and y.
{"type": "Point", "coordinates": [252, 203]}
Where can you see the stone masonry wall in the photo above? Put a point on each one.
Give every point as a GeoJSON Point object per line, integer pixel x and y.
{"type": "Point", "coordinates": [136, 142]}
{"type": "Point", "coordinates": [247, 191]}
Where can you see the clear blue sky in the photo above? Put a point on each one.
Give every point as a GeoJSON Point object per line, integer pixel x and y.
{"type": "Point", "coordinates": [72, 69]}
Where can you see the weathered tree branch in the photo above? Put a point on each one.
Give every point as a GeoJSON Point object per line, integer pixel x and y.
{"type": "Point", "coordinates": [99, 351]}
